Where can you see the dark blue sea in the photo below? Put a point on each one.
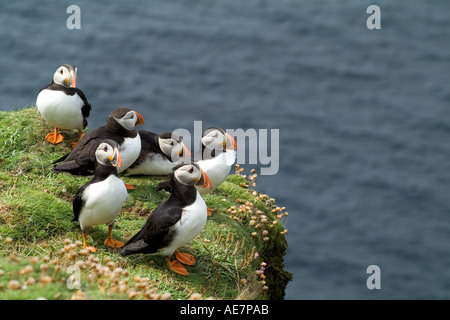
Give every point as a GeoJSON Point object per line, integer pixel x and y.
{"type": "Point", "coordinates": [363, 115]}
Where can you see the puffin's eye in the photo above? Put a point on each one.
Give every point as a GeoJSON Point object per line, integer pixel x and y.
{"type": "Point", "coordinates": [61, 71]}
{"type": "Point", "coordinates": [171, 143]}
{"type": "Point", "coordinates": [191, 170]}
{"type": "Point", "coordinates": [105, 148]}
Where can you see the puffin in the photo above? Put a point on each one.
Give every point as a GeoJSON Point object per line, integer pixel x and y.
{"type": "Point", "coordinates": [120, 127]}
{"type": "Point", "coordinates": [175, 222]}
{"type": "Point", "coordinates": [160, 153]}
{"type": "Point", "coordinates": [63, 105]}
{"type": "Point", "coordinates": [216, 155]}
{"type": "Point", "coordinates": [100, 200]}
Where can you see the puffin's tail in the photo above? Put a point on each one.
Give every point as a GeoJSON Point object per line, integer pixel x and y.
{"type": "Point", "coordinates": [134, 248]}
{"type": "Point", "coordinates": [61, 159]}
{"type": "Point", "coordinates": [71, 167]}
{"type": "Point", "coordinates": [135, 245]}
{"type": "Point", "coordinates": [62, 167]}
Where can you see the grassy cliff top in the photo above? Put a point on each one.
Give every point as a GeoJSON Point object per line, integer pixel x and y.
{"type": "Point", "coordinates": [239, 253]}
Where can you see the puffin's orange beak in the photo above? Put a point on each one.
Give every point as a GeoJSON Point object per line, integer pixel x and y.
{"type": "Point", "coordinates": [116, 159]}
{"type": "Point", "coordinates": [233, 142]}
{"type": "Point", "coordinates": [187, 153]}
{"type": "Point", "coordinates": [74, 79]}
{"type": "Point", "coordinates": [207, 182]}
{"type": "Point", "coordinates": [139, 120]}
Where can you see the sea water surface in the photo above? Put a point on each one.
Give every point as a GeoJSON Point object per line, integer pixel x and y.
{"type": "Point", "coordinates": [363, 115]}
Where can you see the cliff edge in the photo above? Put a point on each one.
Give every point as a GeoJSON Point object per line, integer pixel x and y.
{"type": "Point", "coordinates": [239, 253]}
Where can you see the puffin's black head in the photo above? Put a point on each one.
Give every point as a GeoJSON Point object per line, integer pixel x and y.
{"type": "Point", "coordinates": [66, 75]}
{"type": "Point", "coordinates": [127, 118]}
{"type": "Point", "coordinates": [172, 146]}
{"type": "Point", "coordinates": [108, 154]}
{"type": "Point", "coordinates": [216, 140]}
{"type": "Point", "coordinates": [190, 175]}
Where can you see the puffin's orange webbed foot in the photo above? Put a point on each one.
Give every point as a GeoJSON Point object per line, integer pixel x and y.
{"type": "Point", "coordinates": [113, 243]}
{"type": "Point", "coordinates": [90, 248]}
{"type": "Point", "coordinates": [54, 137]}
{"type": "Point", "coordinates": [176, 267]}
{"type": "Point", "coordinates": [110, 242]}
{"type": "Point", "coordinates": [210, 211]}
{"type": "Point", "coordinates": [184, 258]}
{"type": "Point", "coordinates": [85, 246]}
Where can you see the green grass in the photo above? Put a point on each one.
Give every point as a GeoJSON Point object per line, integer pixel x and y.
{"type": "Point", "coordinates": [38, 240]}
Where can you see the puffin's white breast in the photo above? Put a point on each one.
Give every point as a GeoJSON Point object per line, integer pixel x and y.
{"type": "Point", "coordinates": [217, 169]}
{"type": "Point", "coordinates": [61, 110]}
{"type": "Point", "coordinates": [102, 202]}
{"type": "Point", "coordinates": [192, 222]}
{"type": "Point", "coordinates": [129, 151]}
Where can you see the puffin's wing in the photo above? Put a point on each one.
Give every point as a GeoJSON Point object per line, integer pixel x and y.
{"type": "Point", "coordinates": [148, 146]}
{"type": "Point", "coordinates": [135, 247]}
{"type": "Point", "coordinates": [89, 142]}
{"type": "Point", "coordinates": [160, 222]}
{"type": "Point", "coordinates": [81, 161]}
{"type": "Point", "coordinates": [148, 140]}
{"type": "Point", "coordinates": [61, 159]}
{"type": "Point", "coordinates": [153, 234]}
{"type": "Point", "coordinates": [78, 162]}
{"type": "Point", "coordinates": [74, 168]}
{"type": "Point", "coordinates": [78, 203]}
{"type": "Point", "coordinates": [86, 109]}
